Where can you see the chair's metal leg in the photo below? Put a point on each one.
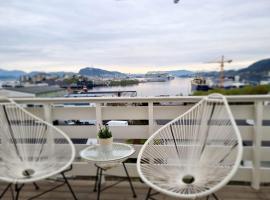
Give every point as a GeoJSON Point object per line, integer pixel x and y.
{"type": "Point", "coordinates": [17, 195]}
{"type": "Point", "coordinates": [148, 194]}
{"type": "Point", "coordinates": [129, 180]}
{"type": "Point", "coordinates": [99, 183]}
{"type": "Point", "coordinates": [18, 190]}
{"type": "Point", "coordinates": [65, 181]}
{"type": "Point", "coordinates": [5, 190]}
{"type": "Point", "coordinates": [51, 189]}
{"type": "Point", "coordinates": [213, 195]}
{"type": "Point", "coordinates": [12, 193]}
{"type": "Point", "coordinates": [36, 186]}
{"type": "Point", "coordinates": [96, 180]}
{"type": "Point", "coordinates": [69, 186]}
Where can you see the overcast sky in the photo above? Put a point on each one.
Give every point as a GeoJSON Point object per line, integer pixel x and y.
{"type": "Point", "coordinates": [132, 35]}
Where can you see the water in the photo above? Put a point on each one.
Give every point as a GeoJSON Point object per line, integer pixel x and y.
{"type": "Point", "coordinates": [177, 86]}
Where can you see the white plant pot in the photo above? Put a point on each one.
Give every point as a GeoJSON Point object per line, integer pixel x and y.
{"type": "Point", "coordinates": [105, 144]}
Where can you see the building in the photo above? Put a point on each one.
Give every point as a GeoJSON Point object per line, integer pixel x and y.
{"type": "Point", "coordinates": [14, 94]}
{"type": "Point", "coordinates": [39, 91]}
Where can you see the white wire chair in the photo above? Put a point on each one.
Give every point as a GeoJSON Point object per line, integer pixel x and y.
{"type": "Point", "coordinates": [31, 149]}
{"type": "Point", "coordinates": [194, 155]}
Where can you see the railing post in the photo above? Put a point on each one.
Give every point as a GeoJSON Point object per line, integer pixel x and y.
{"type": "Point", "coordinates": [150, 118]}
{"type": "Point", "coordinates": [48, 113]}
{"type": "Point", "coordinates": [256, 174]}
{"type": "Point", "coordinates": [98, 116]}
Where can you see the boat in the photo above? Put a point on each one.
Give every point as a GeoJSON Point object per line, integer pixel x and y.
{"type": "Point", "coordinates": [158, 76]}
{"type": "Point", "coordinates": [200, 83]}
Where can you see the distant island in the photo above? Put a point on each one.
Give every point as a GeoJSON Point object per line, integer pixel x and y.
{"type": "Point", "coordinates": [95, 72]}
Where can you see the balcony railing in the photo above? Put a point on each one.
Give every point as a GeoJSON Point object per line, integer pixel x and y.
{"type": "Point", "coordinates": [252, 114]}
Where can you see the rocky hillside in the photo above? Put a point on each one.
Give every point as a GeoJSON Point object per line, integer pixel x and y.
{"type": "Point", "coordinates": [257, 71]}
{"type": "Point", "coordinates": [95, 72]}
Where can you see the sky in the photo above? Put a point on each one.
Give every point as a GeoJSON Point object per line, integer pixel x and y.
{"type": "Point", "coordinates": [132, 36]}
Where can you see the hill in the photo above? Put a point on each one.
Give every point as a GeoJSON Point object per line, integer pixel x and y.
{"type": "Point", "coordinates": [181, 73]}
{"type": "Point", "coordinates": [261, 66]}
{"type": "Point", "coordinates": [11, 74]}
{"type": "Point", "coordinates": [255, 72]}
{"type": "Point", "coordinates": [95, 72]}
{"type": "Point", "coordinates": [59, 74]}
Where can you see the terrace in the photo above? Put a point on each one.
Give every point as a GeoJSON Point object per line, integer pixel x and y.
{"type": "Point", "coordinates": [145, 116]}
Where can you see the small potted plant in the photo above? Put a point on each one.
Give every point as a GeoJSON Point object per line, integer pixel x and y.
{"type": "Point", "coordinates": [105, 138]}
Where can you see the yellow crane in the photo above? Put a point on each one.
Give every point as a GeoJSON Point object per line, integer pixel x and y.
{"type": "Point", "coordinates": [222, 63]}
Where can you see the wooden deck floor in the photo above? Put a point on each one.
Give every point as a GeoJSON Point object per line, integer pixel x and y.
{"type": "Point", "coordinates": [83, 190]}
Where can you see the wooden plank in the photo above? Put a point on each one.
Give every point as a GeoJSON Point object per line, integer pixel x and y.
{"type": "Point", "coordinates": [169, 112]}
{"type": "Point", "coordinates": [124, 113]}
{"type": "Point", "coordinates": [79, 148]}
{"type": "Point", "coordinates": [39, 112]}
{"type": "Point", "coordinates": [67, 113]}
{"type": "Point", "coordinates": [243, 174]}
{"type": "Point", "coordinates": [247, 153]}
{"type": "Point", "coordinates": [265, 175]}
{"type": "Point", "coordinates": [125, 132]}
{"type": "Point", "coordinates": [79, 131]}
{"type": "Point", "coordinates": [266, 112]}
{"type": "Point", "coordinates": [243, 111]}
{"type": "Point", "coordinates": [130, 132]}
{"type": "Point", "coordinates": [246, 131]}
{"type": "Point", "coordinates": [265, 132]}
{"type": "Point", "coordinates": [265, 152]}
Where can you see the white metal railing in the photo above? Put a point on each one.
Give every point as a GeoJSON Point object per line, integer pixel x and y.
{"type": "Point", "coordinates": [255, 158]}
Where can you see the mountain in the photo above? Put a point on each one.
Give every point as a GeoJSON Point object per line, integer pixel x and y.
{"type": "Point", "coordinates": [217, 73]}
{"type": "Point", "coordinates": [262, 66]}
{"type": "Point", "coordinates": [13, 74]}
{"type": "Point", "coordinates": [181, 73]}
{"type": "Point", "coordinates": [95, 72]}
{"type": "Point", "coordinates": [62, 74]}
{"type": "Point", "coordinates": [254, 73]}
{"type": "Point", "coordinates": [59, 74]}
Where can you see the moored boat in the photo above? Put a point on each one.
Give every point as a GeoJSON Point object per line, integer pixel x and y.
{"type": "Point", "coordinates": [199, 83]}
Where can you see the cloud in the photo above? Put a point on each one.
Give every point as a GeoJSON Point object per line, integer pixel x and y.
{"type": "Point", "coordinates": [131, 35]}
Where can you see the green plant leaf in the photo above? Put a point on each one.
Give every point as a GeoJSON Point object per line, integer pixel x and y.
{"type": "Point", "coordinates": [104, 132]}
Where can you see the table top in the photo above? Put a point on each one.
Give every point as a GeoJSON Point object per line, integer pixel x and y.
{"type": "Point", "coordinates": [119, 151]}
